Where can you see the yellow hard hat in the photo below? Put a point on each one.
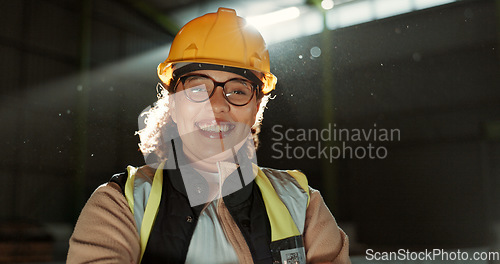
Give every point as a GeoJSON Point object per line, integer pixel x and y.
{"type": "Point", "coordinates": [223, 39]}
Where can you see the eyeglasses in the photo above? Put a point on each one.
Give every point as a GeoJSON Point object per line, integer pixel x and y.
{"type": "Point", "coordinates": [199, 88]}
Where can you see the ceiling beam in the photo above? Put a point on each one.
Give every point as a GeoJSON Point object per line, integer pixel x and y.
{"type": "Point", "coordinates": [154, 14]}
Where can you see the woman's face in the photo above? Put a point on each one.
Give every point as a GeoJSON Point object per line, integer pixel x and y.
{"type": "Point", "coordinates": [211, 127]}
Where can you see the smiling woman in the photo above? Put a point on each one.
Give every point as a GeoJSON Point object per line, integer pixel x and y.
{"type": "Point", "coordinates": [160, 127]}
{"type": "Point", "coordinates": [208, 128]}
{"type": "Point", "coordinates": [201, 197]}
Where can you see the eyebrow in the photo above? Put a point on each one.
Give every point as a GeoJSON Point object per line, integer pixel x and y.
{"type": "Point", "coordinates": [237, 77]}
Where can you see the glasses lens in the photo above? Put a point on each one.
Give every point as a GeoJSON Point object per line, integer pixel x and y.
{"type": "Point", "coordinates": [238, 92]}
{"type": "Point", "coordinates": [198, 88]}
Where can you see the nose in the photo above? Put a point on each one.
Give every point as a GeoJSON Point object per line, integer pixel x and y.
{"type": "Point", "coordinates": [218, 102]}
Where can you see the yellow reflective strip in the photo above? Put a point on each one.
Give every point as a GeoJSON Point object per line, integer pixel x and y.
{"type": "Point", "coordinates": [151, 208]}
{"type": "Point", "coordinates": [302, 180]}
{"type": "Point", "coordinates": [129, 187]}
{"type": "Point", "coordinates": [282, 224]}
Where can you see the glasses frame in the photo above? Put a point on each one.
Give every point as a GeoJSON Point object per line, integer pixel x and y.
{"type": "Point", "coordinates": [183, 78]}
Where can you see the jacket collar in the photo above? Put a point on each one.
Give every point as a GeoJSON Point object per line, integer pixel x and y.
{"type": "Point", "coordinates": [237, 186]}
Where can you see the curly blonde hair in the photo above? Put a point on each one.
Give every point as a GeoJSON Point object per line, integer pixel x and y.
{"type": "Point", "coordinates": [158, 124]}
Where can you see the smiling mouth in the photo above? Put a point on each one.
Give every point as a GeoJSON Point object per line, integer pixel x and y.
{"type": "Point", "coordinates": [215, 129]}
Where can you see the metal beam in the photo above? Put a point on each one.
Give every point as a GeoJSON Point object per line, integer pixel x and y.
{"type": "Point", "coordinates": [82, 101]}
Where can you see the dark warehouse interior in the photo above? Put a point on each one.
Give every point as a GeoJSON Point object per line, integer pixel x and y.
{"type": "Point", "coordinates": [76, 74]}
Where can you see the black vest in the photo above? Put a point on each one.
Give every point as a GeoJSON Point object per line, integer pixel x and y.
{"type": "Point", "coordinates": [176, 220]}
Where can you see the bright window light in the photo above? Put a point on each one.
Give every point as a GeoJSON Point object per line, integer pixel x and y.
{"type": "Point", "coordinates": [308, 23]}
{"type": "Point", "coordinates": [421, 4]}
{"type": "Point", "coordinates": [354, 13]}
{"type": "Point", "coordinates": [276, 17]}
{"type": "Point", "coordinates": [387, 8]}
{"type": "Point", "coordinates": [327, 4]}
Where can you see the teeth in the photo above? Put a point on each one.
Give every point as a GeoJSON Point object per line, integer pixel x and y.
{"type": "Point", "coordinates": [214, 128]}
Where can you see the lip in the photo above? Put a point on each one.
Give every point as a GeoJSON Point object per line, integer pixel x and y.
{"type": "Point", "coordinates": [215, 129]}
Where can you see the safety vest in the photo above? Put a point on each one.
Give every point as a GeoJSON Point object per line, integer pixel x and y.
{"type": "Point", "coordinates": [285, 195]}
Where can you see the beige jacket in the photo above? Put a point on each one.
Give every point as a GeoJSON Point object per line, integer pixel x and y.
{"type": "Point", "coordinates": [106, 231]}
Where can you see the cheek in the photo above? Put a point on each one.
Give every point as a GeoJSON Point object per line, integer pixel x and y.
{"type": "Point", "coordinates": [248, 114]}
{"type": "Point", "coordinates": [183, 112]}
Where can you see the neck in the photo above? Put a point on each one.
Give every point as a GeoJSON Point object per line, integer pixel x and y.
{"type": "Point", "coordinates": [213, 163]}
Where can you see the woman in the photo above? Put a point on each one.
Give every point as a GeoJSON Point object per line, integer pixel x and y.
{"type": "Point", "coordinates": [201, 198]}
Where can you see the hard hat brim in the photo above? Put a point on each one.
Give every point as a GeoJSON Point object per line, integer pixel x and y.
{"type": "Point", "coordinates": [168, 72]}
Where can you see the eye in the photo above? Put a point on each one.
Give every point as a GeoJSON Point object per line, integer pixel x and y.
{"type": "Point", "coordinates": [239, 92]}
{"type": "Point", "coordinates": [196, 83]}
{"type": "Point", "coordinates": [194, 78]}
{"type": "Point", "coordinates": [198, 89]}
{"type": "Point", "coordinates": [238, 87]}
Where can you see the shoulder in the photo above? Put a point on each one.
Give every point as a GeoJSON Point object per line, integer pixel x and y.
{"type": "Point", "coordinates": [140, 174]}
{"type": "Point", "coordinates": [145, 172]}
{"type": "Point", "coordinates": [106, 207]}
{"type": "Point", "coordinates": [283, 173]}
{"type": "Point", "coordinates": [324, 241]}
{"type": "Point", "coordinates": [106, 196]}
{"type": "Point", "coordinates": [296, 176]}
{"type": "Point", "coordinates": [104, 223]}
